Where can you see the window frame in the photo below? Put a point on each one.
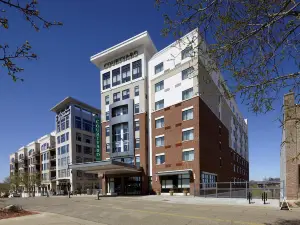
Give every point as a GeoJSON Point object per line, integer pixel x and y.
{"type": "Point", "coordinates": [159, 68]}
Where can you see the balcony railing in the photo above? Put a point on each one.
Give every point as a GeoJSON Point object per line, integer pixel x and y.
{"type": "Point", "coordinates": [53, 157]}
{"type": "Point", "coordinates": [52, 168]}
{"type": "Point", "coordinates": [53, 178]}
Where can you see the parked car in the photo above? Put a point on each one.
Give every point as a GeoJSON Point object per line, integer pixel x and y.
{"type": "Point", "coordinates": [14, 195]}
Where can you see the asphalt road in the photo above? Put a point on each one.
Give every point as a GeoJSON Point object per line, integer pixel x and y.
{"type": "Point", "coordinates": [137, 211]}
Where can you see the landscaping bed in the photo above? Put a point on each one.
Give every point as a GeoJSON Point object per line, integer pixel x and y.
{"type": "Point", "coordinates": [14, 211]}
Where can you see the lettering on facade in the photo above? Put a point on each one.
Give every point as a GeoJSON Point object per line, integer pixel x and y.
{"type": "Point", "coordinates": [98, 142]}
{"type": "Point", "coordinates": [121, 59]}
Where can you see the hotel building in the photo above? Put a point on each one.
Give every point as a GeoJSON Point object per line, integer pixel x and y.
{"type": "Point", "coordinates": [166, 124]}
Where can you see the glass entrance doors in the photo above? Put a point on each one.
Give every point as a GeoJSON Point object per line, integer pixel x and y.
{"type": "Point", "coordinates": [124, 185]}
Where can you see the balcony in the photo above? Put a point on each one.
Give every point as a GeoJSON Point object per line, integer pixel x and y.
{"type": "Point", "coordinates": [53, 157]}
{"type": "Point", "coordinates": [35, 162]}
{"type": "Point", "coordinates": [23, 165]}
{"type": "Point", "coordinates": [53, 178]}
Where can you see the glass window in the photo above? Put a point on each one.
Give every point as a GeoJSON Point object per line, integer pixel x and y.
{"type": "Point", "coordinates": [187, 73]}
{"type": "Point", "coordinates": [106, 131]}
{"type": "Point", "coordinates": [187, 94]}
{"type": "Point", "coordinates": [107, 115]}
{"type": "Point", "coordinates": [87, 150]}
{"type": "Point", "coordinates": [116, 77]}
{"type": "Point", "coordinates": [63, 124]}
{"type": "Point", "coordinates": [187, 52]}
{"type": "Point", "coordinates": [106, 80]}
{"type": "Point", "coordinates": [78, 148]}
{"type": "Point", "coordinates": [158, 68]}
{"type": "Point", "coordinates": [58, 162]}
{"type": "Point", "coordinates": [159, 105]}
{"type": "Point", "coordinates": [159, 86]}
{"type": "Point", "coordinates": [159, 123]}
{"type": "Point", "coordinates": [137, 161]}
{"type": "Point", "coordinates": [58, 140]}
{"type": "Point", "coordinates": [136, 108]}
{"type": "Point", "coordinates": [160, 159]}
{"type": "Point", "coordinates": [58, 126]}
{"type": "Point", "coordinates": [117, 97]}
{"type": "Point", "coordinates": [136, 69]}
{"type": "Point", "coordinates": [78, 136]}
{"type": "Point", "coordinates": [78, 159]}
{"type": "Point", "coordinates": [87, 125]}
{"type": "Point", "coordinates": [67, 122]}
{"type": "Point", "coordinates": [108, 147]}
{"type": "Point", "coordinates": [62, 138]}
{"type": "Point", "coordinates": [188, 135]}
{"type": "Point", "coordinates": [77, 122]}
{"type": "Point", "coordinates": [136, 91]}
{"type": "Point", "coordinates": [137, 125]}
{"type": "Point", "coordinates": [120, 110]}
{"type": "Point", "coordinates": [137, 143]}
{"type": "Point", "coordinates": [188, 155]}
{"type": "Point", "coordinates": [188, 114]}
{"type": "Point", "coordinates": [160, 141]}
{"type": "Point", "coordinates": [87, 139]}
{"type": "Point", "coordinates": [126, 73]}
{"type": "Point", "coordinates": [107, 100]}
{"type": "Point", "coordinates": [125, 94]}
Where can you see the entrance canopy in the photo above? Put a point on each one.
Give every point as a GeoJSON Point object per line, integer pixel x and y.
{"type": "Point", "coordinates": [105, 167]}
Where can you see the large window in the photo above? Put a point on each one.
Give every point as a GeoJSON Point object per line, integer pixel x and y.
{"type": "Point", "coordinates": [187, 94]}
{"type": "Point", "coordinates": [187, 73]}
{"type": "Point", "coordinates": [87, 139]}
{"type": "Point", "coordinates": [188, 135]}
{"type": "Point", "coordinates": [137, 161]}
{"type": "Point", "coordinates": [78, 148]}
{"type": "Point", "coordinates": [117, 96]}
{"type": "Point", "coordinates": [58, 140]}
{"type": "Point", "coordinates": [107, 115]}
{"type": "Point", "coordinates": [187, 52]}
{"type": "Point", "coordinates": [107, 131]}
{"type": "Point", "coordinates": [63, 124]}
{"type": "Point", "coordinates": [120, 137]}
{"type": "Point", "coordinates": [188, 114]}
{"type": "Point", "coordinates": [87, 150]}
{"type": "Point", "coordinates": [177, 183]}
{"type": "Point", "coordinates": [106, 80]}
{"type": "Point", "coordinates": [126, 73]}
{"type": "Point", "coordinates": [188, 155]}
{"type": "Point", "coordinates": [87, 125]}
{"type": "Point", "coordinates": [137, 125]}
{"type": "Point", "coordinates": [58, 126]}
{"type": "Point", "coordinates": [159, 105]}
{"type": "Point", "coordinates": [136, 91]}
{"type": "Point", "coordinates": [78, 136]}
{"type": "Point", "coordinates": [62, 138]}
{"type": "Point", "coordinates": [137, 143]}
{"type": "Point", "coordinates": [208, 180]}
{"type": "Point", "coordinates": [77, 122]}
{"type": "Point", "coordinates": [67, 122]}
{"type": "Point", "coordinates": [125, 94]}
{"type": "Point", "coordinates": [120, 110]}
{"type": "Point", "coordinates": [160, 141]}
{"type": "Point", "coordinates": [116, 77]}
{"type": "Point", "coordinates": [159, 86]}
{"type": "Point", "coordinates": [136, 108]}
{"type": "Point", "coordinates": [136, 69]}
{"type": "Point", "coordinates": [108, 147]}
{"type": "Point", "coordinates": [159, 123]}
{"type": "Point", "coordinates": [158, 68]}
{"type": "Point", "coordinates": [107, 100]}
{"type": "Point", "coordinates": [159, 159]}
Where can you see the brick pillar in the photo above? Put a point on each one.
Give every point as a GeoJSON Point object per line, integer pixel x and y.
{"type": "Point", "coordinates": [156, 186]}
{"type": "Point", "coordinates": [103, 181]}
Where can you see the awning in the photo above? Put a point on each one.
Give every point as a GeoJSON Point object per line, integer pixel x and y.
{"type": "Point", "coordinates": [105, 167]}
{"type": "Point", "coordinates": [174, 172]}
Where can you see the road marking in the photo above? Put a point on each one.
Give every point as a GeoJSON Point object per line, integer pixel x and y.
{"type": "Point", "coordinates": [178, 215]}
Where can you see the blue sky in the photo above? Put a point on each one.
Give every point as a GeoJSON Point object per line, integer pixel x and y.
{"type": "Point", "coordinates": [63, 69]}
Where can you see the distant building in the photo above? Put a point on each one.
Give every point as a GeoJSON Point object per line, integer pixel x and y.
{"type": "Point", "coordinates": [290, 150]}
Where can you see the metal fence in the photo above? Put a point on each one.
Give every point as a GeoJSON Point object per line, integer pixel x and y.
{"type": "Point", "coordinates": [239, 189]}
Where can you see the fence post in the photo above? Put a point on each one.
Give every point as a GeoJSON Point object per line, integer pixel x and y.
{"type": "Point", "coordinates": [246, 188]}
{"type": "Point", "coordinates": [230, 190]}
{"type": "Point", "coordinates": [216, 189]}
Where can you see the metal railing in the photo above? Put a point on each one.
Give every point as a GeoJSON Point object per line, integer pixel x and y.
{"type": "Point", "coordinates": [239, 189]}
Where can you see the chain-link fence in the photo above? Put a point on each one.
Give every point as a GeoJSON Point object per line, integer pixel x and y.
{"type": "Point", "coordinates": [239, 189]}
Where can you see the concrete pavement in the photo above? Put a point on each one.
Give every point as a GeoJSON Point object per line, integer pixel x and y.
{"type": "Point", "coordinates": [137, 211]}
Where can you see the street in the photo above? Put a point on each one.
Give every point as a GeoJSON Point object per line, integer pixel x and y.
{"type": "Point", "coordinates": [136, 211]}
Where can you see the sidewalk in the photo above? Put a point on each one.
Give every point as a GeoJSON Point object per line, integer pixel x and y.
{"type": "Point", "coordinates": [47, 219]}
{"type": "Point", "coordinates": [211, 201]}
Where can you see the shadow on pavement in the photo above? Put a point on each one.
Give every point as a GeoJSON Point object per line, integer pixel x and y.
{"type": "Point", "coordinates": [285, 222]}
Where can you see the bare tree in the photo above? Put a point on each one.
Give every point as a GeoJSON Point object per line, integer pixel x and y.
{"type": "Point", "coordinates": [29, 10]}
{"type": "Point", "coordinates": [255, 42]}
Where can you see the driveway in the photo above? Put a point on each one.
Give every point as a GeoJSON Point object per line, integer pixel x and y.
{"type": "Point", "coordinates": [137, 211]}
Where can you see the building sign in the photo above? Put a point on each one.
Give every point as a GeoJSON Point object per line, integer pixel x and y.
{"type": "Point", "coordinates": [121, 59]}
{"type": "Point", "coordinates": [98, 142]}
